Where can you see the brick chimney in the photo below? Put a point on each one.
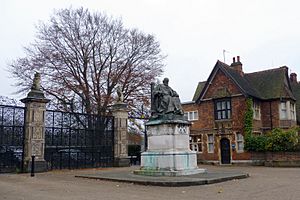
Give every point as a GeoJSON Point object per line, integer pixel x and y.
{"type": "Point", "coordinates": [237, 65]}
{"type": "Point", "coordinates": [293, 78]}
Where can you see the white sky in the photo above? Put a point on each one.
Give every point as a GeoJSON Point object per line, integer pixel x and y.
{"type": "Point", "coordinates": [193, 33]}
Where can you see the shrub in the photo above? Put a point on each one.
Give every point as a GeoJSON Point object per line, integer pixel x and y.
{"type": "Point", "coordinates": [248, 117]}
{"type": "Point", "coordinates": [275, 140]}
{"type": "Point", "coordinates": [255, 142]}
{"type": "Point", "coordinates": [280, 140]}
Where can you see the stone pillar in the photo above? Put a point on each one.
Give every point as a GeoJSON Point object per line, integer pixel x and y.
{"type": "Point", "coordinates": [35, 104]}
{"type": "Point", "coordinates": [120, 113]}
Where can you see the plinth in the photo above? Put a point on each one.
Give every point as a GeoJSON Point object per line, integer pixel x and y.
{"type": "Point", "coordinates": [168, 151]}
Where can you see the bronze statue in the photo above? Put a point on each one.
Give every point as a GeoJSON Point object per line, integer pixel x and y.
{"type": "Point", "coordinates": [165, 102]}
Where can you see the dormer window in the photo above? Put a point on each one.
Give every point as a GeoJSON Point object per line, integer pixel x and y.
{"type": "Point", "coordinates": [222, 109]}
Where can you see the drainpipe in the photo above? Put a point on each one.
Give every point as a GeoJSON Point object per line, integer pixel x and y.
{"type": "Point", "coordinates": [271, 115]}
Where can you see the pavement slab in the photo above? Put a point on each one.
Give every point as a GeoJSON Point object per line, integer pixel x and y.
{"type": "Point", "coordinates": [128, 176]}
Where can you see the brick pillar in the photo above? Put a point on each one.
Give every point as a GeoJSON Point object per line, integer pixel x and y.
{"type": "Point", "coordinates": [35, 104]}
{"type": "Point", "coordinates": [120, 112]}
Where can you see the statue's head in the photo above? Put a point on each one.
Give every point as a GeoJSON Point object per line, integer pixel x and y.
{"type": "Point", "coordinates": [166, 81]}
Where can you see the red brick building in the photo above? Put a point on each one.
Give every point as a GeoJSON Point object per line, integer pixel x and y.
{"type": "Point", "coordinates": [218, 109]}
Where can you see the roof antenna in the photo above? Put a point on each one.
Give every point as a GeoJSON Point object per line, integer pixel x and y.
{"type": "Point", "coordinates": [224, 51]}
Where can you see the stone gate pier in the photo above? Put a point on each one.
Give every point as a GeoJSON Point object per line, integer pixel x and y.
{"type": "Point", "coordinates": [34, 144]}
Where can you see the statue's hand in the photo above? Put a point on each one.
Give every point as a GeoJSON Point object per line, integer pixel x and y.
{"type": "Point", "coordinates": [175, 94]}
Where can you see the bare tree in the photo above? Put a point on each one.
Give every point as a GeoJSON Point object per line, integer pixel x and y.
{"type": "Point", "coordinates": [83, 56]}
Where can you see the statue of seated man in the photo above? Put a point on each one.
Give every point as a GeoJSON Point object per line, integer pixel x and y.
{"type": "Point", "coordinates": [165, 100]}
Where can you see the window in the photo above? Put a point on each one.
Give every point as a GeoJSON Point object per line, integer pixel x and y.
{"type": "Point", "coordinates": [240, 142]}
{"type": "Point", "coordinates": [293, 111]}
{"type": "Point", "coordinates": [223, 109]}
{"type": "Point", "coordinates": [257, 133]}
{"type": "Point", "coordinates": [210, 143]}
{"type": "Point", "coordinates": [191, 115]}
{"type": "Point", "coordinates": [196, 143]}
{"type": "Point", "coordinates": [283, 110]}
{"type": "Point", "coordinates": [256, 110]}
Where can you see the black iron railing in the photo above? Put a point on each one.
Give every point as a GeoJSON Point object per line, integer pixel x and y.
{"type": "Point", "coordinates": [11, 138]}
{"type": "Point", "coordinates": [75, 140]}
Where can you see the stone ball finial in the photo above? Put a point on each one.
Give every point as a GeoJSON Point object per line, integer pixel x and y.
{"type": "Point", "coordinates": [36, 85]}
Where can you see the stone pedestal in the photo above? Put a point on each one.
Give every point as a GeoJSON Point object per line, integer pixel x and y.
{"type": "Point", "coordinates": [120, 112]}
{"type": "Point", "coordinates": [168, 151]}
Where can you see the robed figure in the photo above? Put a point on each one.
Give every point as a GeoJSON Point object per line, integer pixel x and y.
{"type": "Point", "coordinates": [165, 101]}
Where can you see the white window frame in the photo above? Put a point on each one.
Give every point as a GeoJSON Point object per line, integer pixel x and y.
{"type": "Point", "coordinates": [293, 111]}
{"type": "Point", "coordinates": [283, 110]}
{"type": "Point", "coordinates": [210, 143]}
{"type": "Point", "coordinates": [287, 110]}
{"type": "Point", "coordinates": [256, 111]}
{"type": "Point", "coordinates": [196, 141]}
{"type": "Point", "coordinates": [192, 115]}
{"type": "Point", "coordinates": [239, 140]}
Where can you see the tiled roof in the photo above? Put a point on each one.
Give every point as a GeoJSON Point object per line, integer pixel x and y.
{"type": "Point", "coordinates": [268, 84]}
{"type": "Point", "coordinates": [199, 88]}
{"type": "Point", "coordinates": [296, 92]}
{"type": "Point", "coordinates": [241, 81]}
{"type": "Point", "coordinates": [271, 84]}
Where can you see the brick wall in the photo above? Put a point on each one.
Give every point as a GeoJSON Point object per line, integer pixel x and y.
{"type": "Point", "coordinates": [221, 81]}
{"type": "Point", "coordinates": [283, 156]}
{"type": "Point", "coordinates": [238, 112]}
{"type": "Point", "coordinates": [270, 114]}
{"type": "Point", "coordinates": [277, 159]}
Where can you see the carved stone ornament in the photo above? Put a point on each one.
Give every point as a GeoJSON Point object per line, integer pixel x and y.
{"type": "Point", "coordinates": [120, 97]}
{"type": "Point", "coordinates": [36, 148]}
{"type": "Point", "coordinates": [36, 85]}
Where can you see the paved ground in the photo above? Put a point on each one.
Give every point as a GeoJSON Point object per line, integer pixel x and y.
{"type": "Point", "coordinates": [263, 184]}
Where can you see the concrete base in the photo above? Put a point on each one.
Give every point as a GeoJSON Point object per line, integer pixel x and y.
{"type": "Point", "coordinates": [122, 162]}
{"type": "Point", "coordinates": [126, 175]}
{"type": "Point", "coordinates": [169, 163]}
{"type": "Point", "coordinates": [161, 172]}
{"type": "Point", "coordinates": [39, 166]}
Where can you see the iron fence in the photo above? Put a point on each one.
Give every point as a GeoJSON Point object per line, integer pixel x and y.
{"type": "Point", "coordinates": [12, 120]}
{"type": "Point", "coordinates": [75, 140]}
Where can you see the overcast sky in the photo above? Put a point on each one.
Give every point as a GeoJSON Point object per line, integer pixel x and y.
{"type": "Point", "coordinates": [192, 33]}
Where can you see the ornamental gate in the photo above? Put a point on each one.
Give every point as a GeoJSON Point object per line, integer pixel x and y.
{"type": "Point", "coordinates": [74, 140]}
{"type": "Point", "coordinates": [11, 138]}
